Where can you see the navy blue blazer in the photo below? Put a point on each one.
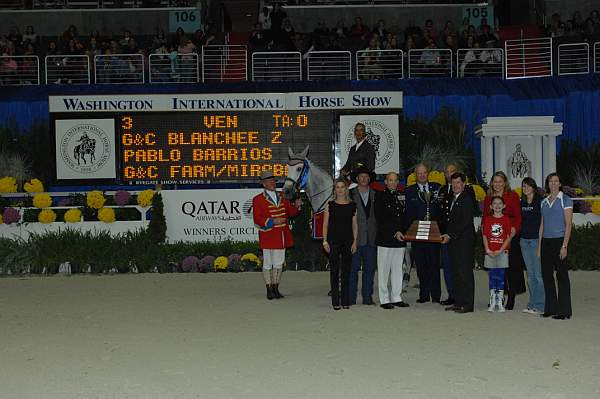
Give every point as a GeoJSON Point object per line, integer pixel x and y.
{"type": "Point", "coordinates": [416, 208]}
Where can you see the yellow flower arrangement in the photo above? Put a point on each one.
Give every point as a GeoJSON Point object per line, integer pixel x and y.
{"type": "Point", "coordinates": [1, 219]}
{"type": "Point", "coordinates": [479, 192]}
{"type": "Point", "coordinates": [106, 215]}
{"type": "Point", "coordinates": [221, 263]}
{"type": "Point", "coordinates": [8, 185]}
{"type": "Point", "coordinates": [95, 199]}
{"type": "Point", "coordinates": [46, 216]}
{"type": "Point", "coordinates": [145, 198]}
{"type": "Point", "coordinates": [73, 215]}
{"type": "Point", "coordinates": [578, 191]}
{"type": "Point", "coordinates": [251, 258]}
{"type": "Point", "coordinates": [519, 191]}
{"type": "Point", "coordinates": [596, 205]}
{"type": "Point", "coordinates": [411, 179]}
{"type": "Point", "coordinates": [435, 176]}
{"type": "Point", "coordinates": [42, 200]}
{"type": "Point", "coordinates": [34, 186]}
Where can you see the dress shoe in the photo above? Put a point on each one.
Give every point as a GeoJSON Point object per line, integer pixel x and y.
{"type": "Point", "coordinates": [368, 301]}
{"type": "Point", "coordinates": [337, 307]}
{"type": "Point", "coordinates": [422, 300]}
{"type": "Point", "coordinates": [433, 300]}
{"type": "Point", "coordinates": [560, 317]}
{"type": "Point", "coordinates": [387, 306]}
{"type": "Point", "coordinates": [462, 309]}
{"type": "Point", "coordinates": [510, 301]}
{"type": "Point", "coordinates": [401, 304]}
{"type": "Point", "coordinates": [450, 308]}
{"type": "Point", "coordinates": [346, 307]}
{"type": "Point", "coordinates": [447, 302]}
{"type": "Point", "coordinates": [547, 314]}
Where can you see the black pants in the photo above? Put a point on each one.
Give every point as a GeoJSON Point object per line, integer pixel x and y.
{"type": "Point", "coordinates": [461, 261]}
{"type": "Point", "coordinates": [515, 274]}
{"type": "Point", "coordinates": [427, 258]}
{"type": "Point", "coordinates": [551, 263]}
{"type": "Point", "coordinates": [340, 260]}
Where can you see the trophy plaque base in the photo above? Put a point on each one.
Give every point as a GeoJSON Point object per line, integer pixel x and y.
{"type": "Point", "coordinates": [424, 231]}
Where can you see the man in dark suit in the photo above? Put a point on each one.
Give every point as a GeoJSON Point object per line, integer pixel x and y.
{"type": "Point", "coordinates": [426, 254]}
{"type": "Point", "coordinates": [361, 153]}
{"type": "Point", "coordinates": [460, 236]}
{"type": "Point", "coordinates": [445, 197]}
{"type": "Point", "coordinates": [366, 253]}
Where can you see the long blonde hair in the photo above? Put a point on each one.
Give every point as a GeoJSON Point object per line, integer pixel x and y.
{"type": "Point", "coordinates": [506, 183]}
{"type": "Point", "coordinates": [346, 190]}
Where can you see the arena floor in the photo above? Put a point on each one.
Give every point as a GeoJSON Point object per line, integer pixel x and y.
{"type": "Point", "coordinates": [216, 336]}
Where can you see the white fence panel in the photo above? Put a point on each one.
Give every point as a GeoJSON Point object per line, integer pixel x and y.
{"type": "Point", "coordinates": [528, 58]}
{"type": "Point", "coordinates": [276, 66]}
{"type": "Point", "coordinates": [224, 63]}
{"type": "Point", "coordinates": [173, 68]}
{"type": "Point", "coordinates": [573, 58]}
{"type": "Point", "coordinates": [597, 57]}
{"type": "Point", "coordinates": [379, 64]}
{"type": "Point", "coordinates": [119, 69]}
{"type": "Point", "coordinates": [67, 69]}
{"type": "Point", "coordinates": [479, 62]}
{"type": "Point", "coordinates": [430, 63]}
{"type": "Point", "coordinates": [19, 70]}
{"type": "Point", "coordinates": [329, 65]}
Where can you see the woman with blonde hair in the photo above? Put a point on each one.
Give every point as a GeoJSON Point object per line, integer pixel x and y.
{"type": "Point", "coordinates": [340, 234]}
{"type": "Point", "coordinates": [515, 279]}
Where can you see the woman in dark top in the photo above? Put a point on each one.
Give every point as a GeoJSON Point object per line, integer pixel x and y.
{"type": "Point", "coordinates": [531, 215]}
{"type": "Point", "coordinates": [340, 232]}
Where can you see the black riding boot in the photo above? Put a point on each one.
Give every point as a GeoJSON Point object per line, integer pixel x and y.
{"type": "Point", "coordinates": [278, 294]}
{"type": "Point", "coordinates": [270, 293]}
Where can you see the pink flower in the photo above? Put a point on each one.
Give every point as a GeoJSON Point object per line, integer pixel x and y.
{"type": "Point", "coordinates": [11, 215]}
{"type": "Point", "coordinates": [190, 264]}
{"type": "Point", "coordinates": [122, 197]}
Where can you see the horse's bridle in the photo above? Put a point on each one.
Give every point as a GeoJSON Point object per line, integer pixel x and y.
{"type": "Point", "coordinates": [303, 180]}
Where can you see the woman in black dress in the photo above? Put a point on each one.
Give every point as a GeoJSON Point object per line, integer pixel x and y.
{"type": "Point", "coordinates": [340, 232]}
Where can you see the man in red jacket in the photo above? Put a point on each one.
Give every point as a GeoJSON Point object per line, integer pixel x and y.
{"type": "Point", "coordinates": [271, 213]}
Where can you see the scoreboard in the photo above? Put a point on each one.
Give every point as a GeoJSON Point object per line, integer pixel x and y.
{"type": "Point", "coordinates": [219, 146]}
{"type": "Point", "coordinates": [146, 139]}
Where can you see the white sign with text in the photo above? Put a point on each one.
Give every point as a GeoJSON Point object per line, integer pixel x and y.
{"type": "Point", "coordinates": [210, 215]}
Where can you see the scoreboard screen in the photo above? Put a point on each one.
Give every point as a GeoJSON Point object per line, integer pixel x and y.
{"type": "Point", "coordinates": [204, 138]}
{"type": "Point", "coordinates": [218, 146]}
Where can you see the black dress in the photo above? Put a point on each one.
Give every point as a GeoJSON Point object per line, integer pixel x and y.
{"type": "Point", "coordinates": [340, 238]}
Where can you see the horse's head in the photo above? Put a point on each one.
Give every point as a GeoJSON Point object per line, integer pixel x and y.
{"type": "Point", "coordinates": [297, 176]}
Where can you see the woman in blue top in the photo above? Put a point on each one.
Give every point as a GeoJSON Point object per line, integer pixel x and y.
{"type": "Point", "coordinates": [531, 218]}
{"type": "Point", "coordinates": [555, 233]}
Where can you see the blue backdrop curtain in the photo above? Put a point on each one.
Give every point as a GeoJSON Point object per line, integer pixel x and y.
{"type": "Point", "coordinates": [572, 100]}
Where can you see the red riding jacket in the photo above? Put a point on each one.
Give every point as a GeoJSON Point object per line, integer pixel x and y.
{"type": "Point", "coordinates": [264, 210]}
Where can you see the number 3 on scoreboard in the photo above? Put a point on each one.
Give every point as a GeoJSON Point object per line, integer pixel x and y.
{"type": "Point", "coordinates": [275, 138]}
{"type": "Point", "coordinates": [126, 122]}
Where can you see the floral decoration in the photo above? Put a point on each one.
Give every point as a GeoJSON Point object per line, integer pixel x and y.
{"type": "Point", "coordinates": [144, 198]}
{"type": "Point", "coordinates": [42, 200]}
{"type": "Point", "coordinates": [34, 186]}
{"type": "Point", "coordinates": [95, 199]}
{"type": "Point", "coordinates": [47, 216]}
{"type": "Point", "coordinates": [73, 215]}
{"type": "Point", "coordinates": [106, 215]}
{"type": "Point", "coordinates": [8, 185]}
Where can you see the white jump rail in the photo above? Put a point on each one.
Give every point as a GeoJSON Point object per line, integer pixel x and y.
{"type": "Point", "coordinates": [597, 57]}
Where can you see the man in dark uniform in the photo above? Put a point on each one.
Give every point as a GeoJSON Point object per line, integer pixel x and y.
{"type": "Point", "coordinates": [361, 153]}
{"type": "Point", "coordinates": [421, 203]}
{"type": "Point", "coordinates": [460, 237]}
{"type": "Point", "coordinates": [445, 196]}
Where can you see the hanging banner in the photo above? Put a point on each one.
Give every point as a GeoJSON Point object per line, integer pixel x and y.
{"type": "Point", "coordinates": [382, 133]}
{"type": "Point", "coordinates": [210, 215]}
{"type": "Point", "coordinates": [85, 149]}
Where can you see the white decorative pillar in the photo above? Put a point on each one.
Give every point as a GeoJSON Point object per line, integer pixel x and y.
{"type": "Point", "coordinates": [520, 146]}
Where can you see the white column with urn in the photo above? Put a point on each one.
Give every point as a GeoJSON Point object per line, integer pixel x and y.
{"type": "Point", "coordinates": [520, 146]}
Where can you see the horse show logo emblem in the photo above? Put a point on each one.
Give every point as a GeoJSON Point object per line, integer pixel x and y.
{"type": "Point", "coordinates": [379, 135]}
{"type": "Point", "coordinates": [496, 230]}
{"type": "Point", "coordinates": [85, 148]}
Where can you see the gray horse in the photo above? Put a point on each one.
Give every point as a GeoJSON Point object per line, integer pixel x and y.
{"type": "Point", "coordinates": [305, 175]}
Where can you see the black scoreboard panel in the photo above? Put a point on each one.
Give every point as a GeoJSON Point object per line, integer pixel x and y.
{"type": "Point", "coordinates": [217, 146]}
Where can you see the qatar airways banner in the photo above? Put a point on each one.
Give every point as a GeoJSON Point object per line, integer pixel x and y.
{"type": "Point", "coordinates": [210, 215]}
{"type": "Point", "coordinates": [227, 101]}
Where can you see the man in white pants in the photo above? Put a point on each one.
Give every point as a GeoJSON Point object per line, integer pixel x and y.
{"type": "Point", "coordinates": [391, 226]}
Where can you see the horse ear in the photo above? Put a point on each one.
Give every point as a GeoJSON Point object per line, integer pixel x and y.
{"type": "Point", "coordinates": [304, 153]}
{"type": "Point", "coordinates": [291, 154]}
